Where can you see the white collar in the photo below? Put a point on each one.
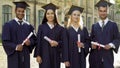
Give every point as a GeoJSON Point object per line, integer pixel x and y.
{"type": "Point", "coordinates": [76, 29]}
{"type": "Point", "coordinates": [50, 25]}
{"type": "Point", "coordinates": [16, 19]}
{"type": "Point", "coordinates": [105, 22]}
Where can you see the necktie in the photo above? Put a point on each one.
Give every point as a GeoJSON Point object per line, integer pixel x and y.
{"type": "Point", "coordinates": [103, 23]}
{"type": "Point", "coordinates": [20, 22]}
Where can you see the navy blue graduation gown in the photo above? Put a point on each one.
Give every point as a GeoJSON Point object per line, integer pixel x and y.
{"type": "Point", "coordinates": [12, 35]}
{"type": "Point", "coordinates": [51, 55]}
{"type": "Point", "coordinates": [78, 60]}
{"type": "Point", "coordinates": [101, 58]}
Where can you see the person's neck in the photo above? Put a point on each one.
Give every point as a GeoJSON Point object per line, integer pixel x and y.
{"type": "Point", "coordinates": [103, 19]}
{"type": "Point", "coordinates": [50, 22]}
{"type": "Point", "coordinates": [19, 19]}
{"type": "Point", "coordinates": [75, 24]}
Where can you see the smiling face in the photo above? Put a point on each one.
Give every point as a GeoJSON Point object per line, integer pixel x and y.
{"type": "Point", "coordinates": [50, 15]}
{"type": "Point", "coordinates": [75, 16]}
{"type": "Point", "coordinates": [20, 13]}
{"type": "Point", "coordinates": [102, 11]}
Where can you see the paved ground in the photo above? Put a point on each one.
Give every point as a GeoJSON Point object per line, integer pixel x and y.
{"type": "Point", "coordinates": [34, 64]}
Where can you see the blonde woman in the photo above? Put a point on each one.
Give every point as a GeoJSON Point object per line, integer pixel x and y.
{"type": "Point", "coordinates": [78, 38]}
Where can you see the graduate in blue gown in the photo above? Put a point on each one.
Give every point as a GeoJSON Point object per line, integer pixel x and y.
{"type": "Point", "coordinates": [48, 52]}
{"type": "Point", "coordinates": [104, 32]}
{"type": "Point", "coordinates": [78, 38]}
{"type": "Point", "coordinates": [14, 32]}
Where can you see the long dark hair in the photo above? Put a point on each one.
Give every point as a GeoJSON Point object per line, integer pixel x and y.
{"type": "Point", "coordinates": [45, 19]}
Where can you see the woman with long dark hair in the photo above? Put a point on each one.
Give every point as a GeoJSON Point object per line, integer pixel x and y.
{"type": "Point", "coordinates": [51, 40]}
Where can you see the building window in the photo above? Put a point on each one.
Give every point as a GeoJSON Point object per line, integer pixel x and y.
{"type": "Point", "coordinates": [28, 14]}
{"type": "Point", "coordinates": [6, 13]}
{"type": "Point", "coordinates": [40, 16]}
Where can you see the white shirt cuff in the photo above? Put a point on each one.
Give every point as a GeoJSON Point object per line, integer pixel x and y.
{"type": "Point", "coordinates": [112, 45]}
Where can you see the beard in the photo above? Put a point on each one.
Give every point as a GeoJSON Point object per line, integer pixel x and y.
{"type": "Point", "coordinates": [103, 17]}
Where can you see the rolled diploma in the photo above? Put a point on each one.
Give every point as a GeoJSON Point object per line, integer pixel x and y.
{"type": "Point", "coordinates": [47, 39]}
{"type": "Point", "coordinates": [79, 49]}
{"type": "Point", "coordinates": [97, 44]}
{"type": "Point", "coordinates": [28, 37]}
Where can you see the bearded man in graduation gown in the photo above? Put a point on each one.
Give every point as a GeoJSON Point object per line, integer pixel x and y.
{"type": "Point", "coordinates": [104, 32]}
{"type": "Point", "coordinates": [14, 32]}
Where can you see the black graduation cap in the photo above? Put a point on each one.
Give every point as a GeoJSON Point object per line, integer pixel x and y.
{"type": "Point", "coordinates": [50, 6]}
{"type": "Point", "coordinates": [103, 3]}
{"type": "Point", "coordinates": [21, 4]}
{"type": "Point", "coordinates": [73, 7]}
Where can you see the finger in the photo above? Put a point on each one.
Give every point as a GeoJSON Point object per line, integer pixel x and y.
{"type": "Point", "coordinates": [94, 47]}
{"type": "Point", "coordinates": [40, 61]}
{"type": "Point", "coordinates": [52, 45]}
{"type": "Point", "coordinates": [37, 60]}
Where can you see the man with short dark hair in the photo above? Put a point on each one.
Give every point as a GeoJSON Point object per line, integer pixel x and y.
{"type": "Point", "coordinates": [105, 33]}
{"type": "Point", "coordinates": [14, 33]}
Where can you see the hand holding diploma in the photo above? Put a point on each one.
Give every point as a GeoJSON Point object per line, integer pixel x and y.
{"type": "Point", "coordinates": [107, 47]}
{"type": "Point", "coordinates": [53, 43]}
{"type": "Point", "coordinates": [47, 39]}
{"type": "Point", "coordinates": [39, 59]}
{"type": "Point", "coordinates": [19, 47]}
{"type": "Point", "coordinates": [80, 44]}
{"type": "Point", "coordinates": [27, 41]}
{"type": "Point", "coordinates": [67, 64]}
{"type": "Point", "coordinates": [95, 44]}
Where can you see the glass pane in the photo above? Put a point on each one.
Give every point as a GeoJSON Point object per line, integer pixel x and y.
{"type": "Point", "coordinates": [10, 9]}
{"type": "Point", "coordinates": [7, 13]}
{"type": "Point", "coordinates": [10, 17]}
{"type": "Point", "coordinates": [27, 11]}
{"type": "Point", "coordinates": [40, 16]}
{"type": "Point", "coordinates": [6, 17]}
{"type": "Point", "coordinates": [28, 14]}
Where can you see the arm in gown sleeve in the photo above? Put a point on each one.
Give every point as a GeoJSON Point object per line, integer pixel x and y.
{"type": "Point", "coordinates": [8, 45]}
{"type": "Point", "coordinates": [37, 51]}
{"type": "Point", "coordinates": [32, 39]}
{"type": "Point", "coordinates": [92, 36]}
{"type": "Point", "coordinates": [87, 42]}
{"type": "Point", "coordinates": [116, 38]}
{"type": "Point", "coordinates": [64, 45]}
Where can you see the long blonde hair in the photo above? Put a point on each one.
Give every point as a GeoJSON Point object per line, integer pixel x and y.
{"type": "Point", "coordinates": [80, 22]}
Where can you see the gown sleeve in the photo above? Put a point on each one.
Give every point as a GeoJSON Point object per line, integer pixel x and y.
{"type": "Point", "coordinates": [116, 37]}
{"type": "Point", "coordinates": [64, 45]}
{"type": "Point", "coordinates": [87, 42]}
{"type": "Point", "coordinates": [32, 39]}
{"type": "Point", "coordinates": [8, 45]}
{"type": "Point", "coordinates": [38, 47]}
